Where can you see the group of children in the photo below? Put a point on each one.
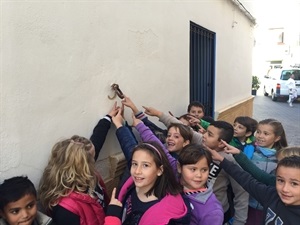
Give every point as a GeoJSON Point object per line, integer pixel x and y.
{"type": "Point", "coordinates": [196, 171]}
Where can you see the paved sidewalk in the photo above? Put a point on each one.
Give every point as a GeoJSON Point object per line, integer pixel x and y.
{"type": "Point", "coordinates": [265, 108]}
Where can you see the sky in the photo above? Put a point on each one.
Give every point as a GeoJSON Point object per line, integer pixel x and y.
{"type": "Point", "coordinates": [284, 15]}
{"type": "Point", "coordinates": [274, 13]}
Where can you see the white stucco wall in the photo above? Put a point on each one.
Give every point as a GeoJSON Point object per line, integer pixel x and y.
{"type": "Point", "coordinates": [58, 60]}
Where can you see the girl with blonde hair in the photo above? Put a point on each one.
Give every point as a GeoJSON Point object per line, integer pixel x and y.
{"type": "Point", "coordinates": [71, 190]}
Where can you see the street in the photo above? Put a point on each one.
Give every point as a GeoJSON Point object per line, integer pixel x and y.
{"type": "Point", "coordinates": [265, 108]}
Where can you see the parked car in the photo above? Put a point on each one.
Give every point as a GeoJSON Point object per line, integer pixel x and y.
{"type": "Point", "coordinates": [274, 82]}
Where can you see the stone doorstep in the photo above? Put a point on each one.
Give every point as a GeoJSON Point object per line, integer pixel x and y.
{"type": "Point", "coordinates": [111, 170]}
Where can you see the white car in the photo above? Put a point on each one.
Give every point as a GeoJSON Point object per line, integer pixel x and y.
{"type": "Point", "coordinates": [275, 82]}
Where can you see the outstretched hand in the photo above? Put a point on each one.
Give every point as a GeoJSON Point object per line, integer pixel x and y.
{"type": "Point", "coordinates": [114, 110]}
{"type": "Point", "coordinates": [193, 120]}
{"type": "Point", "coordinates": [230, 149]}
{"type": "Point", "coordinates": [152, 111]}
{"type": "Point", "coordinates": [215, 155]}
{"type": "Point", "coordinates": [118, 118]}
{"type": "Point", "coordinates": [201, 129]}
{"type": "Point", "coordinates": [135, 121]}
{"type": "Point", "coordinates": [129, 103]}
{"type": "Point", "coordinates": [114, 200]}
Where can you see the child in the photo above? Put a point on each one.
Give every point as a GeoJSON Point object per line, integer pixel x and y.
{"type": "Point", "coordinates": [194, 164]}
{"type": "Point", "coordinates": [18, 203]}
{"type": "Point", "coordinates": [281, 203]}
{"type": "Point", "coordinates": [63, 213]}
{"type": "Point", "coordinates": [217, 131]}
{"type": "Point", "coordinates": [166, 119]}
{"type": "Point", "coordinates": [270, 137]}
{"type": "Point", "coordinates": [257, 173]}
{"type": "Point", "coordinates": [193, 122]}
{"type": "Point", "coordinates": [243, 137]}
{"type": "Point", "coordinates": [270, 134]}
{"type": "Point", "coordinates": [177, 134]}
{"type": "Point", "coordinates": [193, 167]}
{"type": "Point", "coordinates": [71, 189]}
{"type": "Point", "coordinates": [151, 195]}
{"type": "Point", "coordinates": [197, 109]}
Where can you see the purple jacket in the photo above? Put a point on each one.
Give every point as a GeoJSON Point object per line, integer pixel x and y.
{"type": "Point", "coordinates": [206, 208]}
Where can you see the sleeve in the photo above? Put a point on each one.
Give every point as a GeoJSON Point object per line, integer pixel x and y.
{"type": "Point", "coordinates": [157, 131]}
{"type": "Point", "coordinates": [240, 203]}
{"type": "Point", "coordinates": [127, 141]}
{"type": "Point", "coordinates": [168, 119]}
{"type": "Point", "coordinates": [259, 191]}
{"type": "Point", "coordinates": [153, 127]}
{"type": "Point", "coordinates": [111, 220]}
{"type": "Point", "coordinates": [257, 173]}
{"type": "Point", "coordinates": [289, 84]}
{"type": "Point", "coordinates": [197, 138]}
{"type": "Point", "coordinates": [113, 215]}
{"type": "Point", "coordinates": [240, 196]}
{"type": "Point", "coordinates": [99, 134]}
{"type": "Point", "coordinates": [62, 216]}
{"type": "Point", "coordinates": [204, 124]}
{"type": "Point", "coordinates": [148, 136]}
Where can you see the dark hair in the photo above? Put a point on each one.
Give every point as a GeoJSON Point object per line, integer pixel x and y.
{"type": "Point", "coordinates": [291, 161]}
{"type": "Point", "coordinates": [185, 116]}
{"type": "Point", "coordinates": [15, 188]}
{"type": "Point", "coordinates": [226, 130]}
{"type": "Point", "coordinates": [192, 153]}
{"type": "Point", "coordinates": [195, 104]}
{"type": "Point", "coordinates": [278, 131]}
{"type": "Point", "coordinates": [208, 119]}
{"type": "Point", "coordinates": [166, 183]}
{"type": "Point", "coordinates": [248, 122]}
{"type": "Point", "coordinates": [185, 131]}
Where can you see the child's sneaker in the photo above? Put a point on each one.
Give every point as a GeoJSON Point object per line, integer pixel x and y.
{"type": "Point", "coordinates": [291, 104]}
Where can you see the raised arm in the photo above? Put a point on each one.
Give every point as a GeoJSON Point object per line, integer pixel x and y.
{"type": "Point", "coordinates": [125, 136]}
{"type": "Point", "coordinates": [140, 115]}
{"type": "Point", "coordinates": [256, 189]}
{"type": "Point", "coordinates": [168, 119]}
{"type": "Point", "coordinates": [101, 129]}
{"type": "Point", "coordinates": [250, 167]}
{"type": "Point", "coordinates": [257, 173]}
{"type": "Point", "coordinates": [147, 136]}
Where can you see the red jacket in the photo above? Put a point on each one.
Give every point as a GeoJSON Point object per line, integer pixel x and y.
{"type": "Point", "coordinates": [86, 207]}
